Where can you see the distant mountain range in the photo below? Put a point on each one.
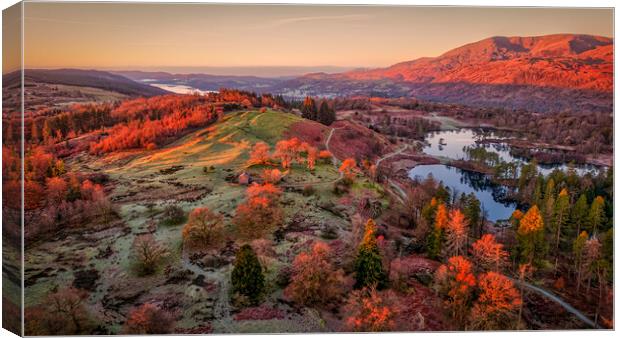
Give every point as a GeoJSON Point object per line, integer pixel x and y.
{"type": "Point", "coordinates": [83, 78]}
{"type": "Point", "coordinates": [563, 72]}
{"type": "Point", "coordinates": [547, 73]}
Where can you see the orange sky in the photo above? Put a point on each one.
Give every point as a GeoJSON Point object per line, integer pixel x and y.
{"type": "Point", "coordinates": [130, 36]}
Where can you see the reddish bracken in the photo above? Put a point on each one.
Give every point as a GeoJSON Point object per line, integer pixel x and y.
{"type": "Point", "coordinates": [262, 312]}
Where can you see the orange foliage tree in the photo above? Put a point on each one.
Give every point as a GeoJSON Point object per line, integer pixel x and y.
{"type": "Point", "coordinates": [260, 212]}
{"type": "Point", "coordinates": [271, 176]}
{"type": "Point", "coordinates": [531, 235]}
{"type": "Point", "coordinates": [348, 169]}
{"type": "Point", "coordinates": [203, 229]}
{"type": "Point", "coordinates": [497, 303]}
{"type": "Point", "coordinates": [314, 280]}
{"type": "Point", "coordinates": [148, 319]}
{"type": "Point", "coordinates": [260, 153]}
{"type": "Point", "coordinates": [288, 151]}
{"type": "Point", "coordinates": [456, 233]}
{"type": "Point", "coordinates": [455, 281]}
{"type": "Point", "coordinates": [325, 155]}
{"type": "Point", "coordinates": [488, 253]}
{"type": "Point", "coordinates": [437, 236]}
{"type": "Point", "coordinates": [371, 311]}
{"type": "Point", "coordinates": [56, 190]}
{"type": "Point", "coordinates": [311, 155]}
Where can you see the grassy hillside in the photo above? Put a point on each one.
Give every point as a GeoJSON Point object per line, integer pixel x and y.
{"type": "Point", "coordinates": [145, 183]}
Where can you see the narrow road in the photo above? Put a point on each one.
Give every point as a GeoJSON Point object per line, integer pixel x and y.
{"type": "Point", "coordinates": [400, 193]}
{"type": "Point", "coordinates": [562, 303]}
{"type": "Point", "coordinates": [398, 152]}
{"type": "Point", "coordinates": [329, 137]}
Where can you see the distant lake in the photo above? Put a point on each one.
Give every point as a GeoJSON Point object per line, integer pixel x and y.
{"type": "Point", "coordinates": [451, 143]}
{"type": "Point", "coordinates": [179, 89]}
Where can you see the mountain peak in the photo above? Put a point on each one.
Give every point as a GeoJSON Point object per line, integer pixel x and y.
{"type": "Point", "coordinates": [559, 60]}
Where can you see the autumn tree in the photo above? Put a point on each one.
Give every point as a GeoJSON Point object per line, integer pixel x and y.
{"type": "Point", "coordinates": [203, 229]}
{"type": "Point", "coordinates": [348, 169]}
{"type": "Point", "coordinates": [308, 109]}
{"type": "Point", "coordinates": [531, 235]}
{"type": "Point", "coordinates": [260, 153]}
{"type": "Point", "coordinates": [368, 263]}
{"type": "Point", "coordinates": [549, 201]}
{"type": "Point", "coordinates": [579, 215]}
{"type": "Point", "coordinates": [288, 151]}
{"type": "Point", "coordinates": [148, 319]}
{"type": "Point", "coordinates": [437, 236]}
{"type": "Point", "coordinates": [578, 254]}
{"type": "Point", "coordinates": [272, 176]}
{"type": "Point", "coordinates": [370, 311]}
{"type": "Point", "coordinates": [456, 233]}
{"type": "Point", "coordinates": [325, 155]}
{"type": "Point", "coordinates": [591, 257]}
{"type": "Point", "coordinates": [497, 303]}
{"type": "Point", "coordinates": [312, 154]}
{"type": "Point", "coordinates": [488, 254]}
{"type": "Point", "coordinates": [148, 253]}
{"type": "Point", "coordinates": [560, 218]}
{"type": "Point", "coordinates": [314, 280]}
{"type": "Point", "coordinates": [247, 276]}
{"type": "Point", "coordinates": [455, 281]}
{"type": "Point", "coordinates": [524, 270]}
{"type": "Point", "coordinates": [56, 189]}
{"type": "Point", "coordinates": [596, 216]}
{"type": "Point", "coordinates": [260, 212]}
{"type": "Point", "coordinates": [62, 312]}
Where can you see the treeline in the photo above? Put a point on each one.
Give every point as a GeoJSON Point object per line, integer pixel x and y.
{"type": "Point", "coordinates": [565, 233]}
{"type": "Point", "coordinates": [54, 198]}
{"type": "Point", "coordinates": [55, 126]}
{"type": "Point", "coordinates": [589, 133]}
{"type": "Point", "coordinates": [318, 111]}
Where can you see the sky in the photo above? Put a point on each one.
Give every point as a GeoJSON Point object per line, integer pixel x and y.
{"type": "Point", "coordinates": [274, 38]}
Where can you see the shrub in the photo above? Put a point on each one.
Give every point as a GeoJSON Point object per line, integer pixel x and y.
{"type": "Point", "coordinates": [173, 215]}
{"type": "Point", "coordinates": [204, 229]}
{"type": "Point", "coordinates": [308, 190]}
{"type": "Point", "coordinates": [148, 319]}
{"type": "Point", "coordinates": [148, 253]}
{"type": "Point", "coordinates": [247, 276]}
{"type": "Point", "coordinates": [62, 313]}
{"type": "Point", "coordinates": [314, 280]}
{"type": "Point", "coordinates": [259, 313]}
{"type": "Point", "coordinates": [342, 187]}
{"type": "Point", "coordinates": [369, 311]}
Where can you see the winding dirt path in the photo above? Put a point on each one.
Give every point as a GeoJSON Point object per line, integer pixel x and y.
{"type": "Point", "coordinates": [329, 138]}
{"type": "Point", "coordinates": [397, 152]}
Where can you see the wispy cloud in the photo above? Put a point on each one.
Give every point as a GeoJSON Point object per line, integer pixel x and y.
{"type": "Point", "coordinates": [291, 21]}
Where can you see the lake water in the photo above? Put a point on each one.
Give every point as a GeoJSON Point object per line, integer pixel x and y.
{"type": "Point", "coordinates": [463, 181]}
{"type": "Point", "coordinates": [450, 144]}
{"type": "Point", "coordinates": [179, 89]}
